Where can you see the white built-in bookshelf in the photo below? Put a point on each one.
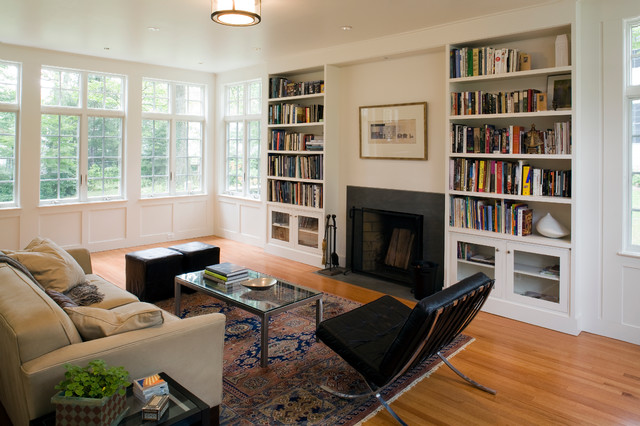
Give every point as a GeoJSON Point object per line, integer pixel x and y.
{"type": "Point", "coordinates": [295, 164]}
{"type": "Point", "coordinates": [504, 175]}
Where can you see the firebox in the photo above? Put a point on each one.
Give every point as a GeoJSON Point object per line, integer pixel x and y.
{"type": "Point", "coordinates": [386, 243]}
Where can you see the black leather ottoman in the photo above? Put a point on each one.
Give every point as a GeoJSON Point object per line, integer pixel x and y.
{"type": "Point", "coordinates": [150, 273]}
{"type": "Point", "coordinates": [196, 255]}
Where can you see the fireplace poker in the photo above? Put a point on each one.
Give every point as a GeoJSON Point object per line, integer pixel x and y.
{"type": "Point", "coordinates": [334, 256]}
{"type": "Point", "coordinates": [324, 242]}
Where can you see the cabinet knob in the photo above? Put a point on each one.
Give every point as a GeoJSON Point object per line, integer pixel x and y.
{"type": "Point", "coordinates": [497, 250]}
{"type": "Point", "coordinates": [508, 251]}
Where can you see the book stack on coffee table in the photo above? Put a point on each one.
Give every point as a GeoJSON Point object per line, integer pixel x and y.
{"type": "Point", "coordinates": [226, 273]}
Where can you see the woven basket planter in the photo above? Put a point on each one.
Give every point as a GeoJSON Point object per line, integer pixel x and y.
{"type": "Point", "coordinates": [75, 411]}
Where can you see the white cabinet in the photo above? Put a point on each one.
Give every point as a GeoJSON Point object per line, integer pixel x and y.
{"type": "Point", "coordinates": [295, 229]}
{"type": "Point", "coordinates": [532, 282]}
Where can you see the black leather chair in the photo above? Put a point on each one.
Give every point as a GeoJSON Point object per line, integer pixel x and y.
{"type": "Point", "coordinates": [384, 339]}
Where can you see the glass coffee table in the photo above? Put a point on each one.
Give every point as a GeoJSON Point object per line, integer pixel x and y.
{"type": "Point", "coordinates": [264, 303]}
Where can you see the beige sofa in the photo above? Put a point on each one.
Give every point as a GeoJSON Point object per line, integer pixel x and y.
{"type": "Point", "coordinates": [37, 338]}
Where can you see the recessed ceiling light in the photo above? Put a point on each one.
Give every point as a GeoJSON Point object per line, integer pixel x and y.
{"type": "Point", "coordinates": [154, 29]}
{"type": "Point", "coordinates": [346, 28]}
{"type": "Point", "coordinates": [257, 49]}
{"type": "Point", "coordinates": [106, 48]}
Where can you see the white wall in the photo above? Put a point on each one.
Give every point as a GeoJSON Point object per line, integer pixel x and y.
{"type": "Point", "coordinates": [102, 225]}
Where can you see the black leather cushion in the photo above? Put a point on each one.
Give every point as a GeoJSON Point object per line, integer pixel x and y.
{"type": "Point", "coordinates": [150, 273]}
{"type": "Point", "coordinates": [197, 255]}
{"type": "Point", "coordinates": [363, 335]}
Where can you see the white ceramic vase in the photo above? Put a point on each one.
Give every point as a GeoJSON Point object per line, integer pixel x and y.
{"type": "Point", "coordinates": [550, 227]}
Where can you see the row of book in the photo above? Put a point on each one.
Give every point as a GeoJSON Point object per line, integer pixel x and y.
{"type": "Point", "coordinates": [488, 139]}
{"type": "Point", "coordinates": [476, 61]}
{"type": "Point", "coordinates": [481, 102]}
{"type": "Point", "coordinates": [226, 273]}
{"type": "Point", "coordinates": [501, 216]}
{"type": "Point", "coordinates": [281, 87]}
{"type": "Point", "coordinates": [504, 177]}
{"type": "Point", "coordinates": [296, 166]}
{"type": "Point", "coordinates": [297, 193]}
{"type": "Point", "coordinates": [281, 140]}
{"type": "Point", "coordinates": [294, 113]}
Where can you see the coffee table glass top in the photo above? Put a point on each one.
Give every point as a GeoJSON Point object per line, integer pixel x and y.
{"type": "Point", "coordinates": [277, 296]}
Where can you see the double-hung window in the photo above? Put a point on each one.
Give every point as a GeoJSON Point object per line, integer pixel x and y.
{"type": "Point", "coordinates": [243, 107]}
{"type": "Point", "coordinates": [172, 138]}
{"type": "Point", "coordinates": [632, 99]}
{"type": "Point", "coordinates": [9, 109]}
{"type": "Point", "coordinates": [81, 135]}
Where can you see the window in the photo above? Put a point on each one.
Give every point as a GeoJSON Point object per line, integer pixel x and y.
{"type": "Point", "coordinates": [172, 138]}
{"type": "Point", "coordinates": [243, 106]}
{"type": "Point", "coordinates": [9, 108]}
{"type": "Point", "coordinates": [633, 117]}
{"type": "Point", "coordinates": [82, 112]}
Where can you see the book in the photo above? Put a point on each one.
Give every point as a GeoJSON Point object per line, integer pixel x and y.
{"type": "Point", "coordinates": [223, 280]}
{"type": "Point", "coordinates": [145, 387]}
{"type": "Point", "coordinates": [226, 269]}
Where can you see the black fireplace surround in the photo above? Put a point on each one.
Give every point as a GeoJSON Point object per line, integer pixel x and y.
{"type": "Point", "coordinates": [395, 209]}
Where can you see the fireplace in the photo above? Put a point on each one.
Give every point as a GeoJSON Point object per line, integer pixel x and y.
{"type": "Point", "coordinates": [386, 243]}
{"type": "Point", "coordinates": [428, 242]}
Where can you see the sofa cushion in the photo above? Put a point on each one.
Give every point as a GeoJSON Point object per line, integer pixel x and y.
{"type": "Point", "coordinates": [51, 265]}
{"type": "Point", "coordinates": [94, 323]}
{"type": "Point", "coordinates": [113, 295]}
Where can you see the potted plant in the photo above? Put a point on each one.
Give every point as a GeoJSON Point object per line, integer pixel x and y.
{"type": "Point", "coordinates": [94, 394]}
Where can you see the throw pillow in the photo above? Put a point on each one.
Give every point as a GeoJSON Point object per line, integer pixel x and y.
{"type": "Point", "coordinates": [94, 323]}
{"type": "Point", "coordinates": [62, 300]}
{"type": "Point", "coordinates": [50, 264]}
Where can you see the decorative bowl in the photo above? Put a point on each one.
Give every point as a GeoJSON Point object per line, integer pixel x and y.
{"type": "Point", "coordinates": [262, 283]}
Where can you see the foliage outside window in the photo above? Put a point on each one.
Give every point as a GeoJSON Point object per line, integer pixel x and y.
{"type": "Point", "coordinates": [9, 108]}
{"type": "Point", "coordinates": [172, 138]}
{"type": "Point", "coordinates": [633, 114]}
{"type": "Point", "coordinates": [82, 112]}
{"type": "Point", "coordinates": [243, 106]}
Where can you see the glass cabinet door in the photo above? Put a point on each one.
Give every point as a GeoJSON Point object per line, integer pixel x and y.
{"type": "Point", "coordinates": [280, 226]}
{"type": "Point", "coordinates": [308, 231]}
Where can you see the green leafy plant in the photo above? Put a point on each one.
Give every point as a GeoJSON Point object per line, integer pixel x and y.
{"type": "Point", "coordinates": [96, 380]}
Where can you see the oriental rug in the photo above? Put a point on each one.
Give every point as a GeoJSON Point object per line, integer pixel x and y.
{"type": "Point", "coordinates": [287, 391]}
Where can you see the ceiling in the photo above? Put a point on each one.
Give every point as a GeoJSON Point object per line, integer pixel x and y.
{"type": "Point", "coordinates": [180, 33]}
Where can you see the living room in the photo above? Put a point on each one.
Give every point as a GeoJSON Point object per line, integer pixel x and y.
{"type": "Point", "coordinates": [393, 69]}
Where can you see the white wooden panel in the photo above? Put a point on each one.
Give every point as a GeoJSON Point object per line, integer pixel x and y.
{"type": "Point", "coordinates": [63, 228]}
{"type": "Point", "coordinates": [252, 221]}
{"type": "Point", "coordinates": [630, 296]}
{"type": "Point", "coordinates": [156, 220]}
{"type": "Point", "coordinates": [107, 225]}
{"type": "Point", "coordinates": [10, 235]}
{"type": "Point", "coordinates": [191, 216]}
{"type": "Point", "coordinates": [229, 213]}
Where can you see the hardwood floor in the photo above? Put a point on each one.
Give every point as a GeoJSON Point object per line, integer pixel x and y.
{"type": "Point", "coordinates": [542, 376]}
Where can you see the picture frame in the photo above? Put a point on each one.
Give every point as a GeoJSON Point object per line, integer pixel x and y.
{"type": "Point", "coordinates": [397, 131]}
{"type": "Point", "coordinates": [559, 92]}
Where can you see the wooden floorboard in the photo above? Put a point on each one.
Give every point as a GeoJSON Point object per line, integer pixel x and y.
{"type": "Point", "coordinates": [542, 376]}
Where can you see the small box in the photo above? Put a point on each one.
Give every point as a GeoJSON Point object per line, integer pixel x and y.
{"type": "Point", "coordinates": [143, 393]}
{"type": "Point", "coordinates": [155, 408]}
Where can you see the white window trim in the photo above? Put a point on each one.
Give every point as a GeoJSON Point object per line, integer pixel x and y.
{"type": "Point", "coordinates": [631, 93]}
{"type": "Point", "coordinates": [173, 117]}
{"type": "Point", "coordinates": [84, 112]}
{"type": "Point", "coordinates": [245, 119]}
{"type": "Point", "coordinates": [14, 107]}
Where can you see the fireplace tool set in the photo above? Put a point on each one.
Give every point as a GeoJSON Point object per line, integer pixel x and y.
{"type": "Point", "coordinates": [329, 255]}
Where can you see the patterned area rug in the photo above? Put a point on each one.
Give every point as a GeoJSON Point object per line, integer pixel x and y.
{"type": "Point", "coordinates": [287, 391]}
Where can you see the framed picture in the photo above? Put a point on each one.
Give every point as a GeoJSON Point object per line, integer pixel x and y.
{"type": "Point", "coordinates": [396, 132]}
{"type": "Point", "coordinates": [559, 91]}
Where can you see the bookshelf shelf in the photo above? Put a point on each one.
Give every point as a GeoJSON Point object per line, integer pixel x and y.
{"type": "Point", "coordinates": [285, 99]}
{"type": "Point", "coordinates": [485, 223]}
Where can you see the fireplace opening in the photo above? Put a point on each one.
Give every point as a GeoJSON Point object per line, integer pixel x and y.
{"type": "Point", "coordinates": [386, 243]}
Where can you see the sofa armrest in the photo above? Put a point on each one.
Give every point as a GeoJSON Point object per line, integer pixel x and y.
{"type": "Point", "coordinates": [83, 257]}
{"type": "Point", "coordinates": [188, 350]}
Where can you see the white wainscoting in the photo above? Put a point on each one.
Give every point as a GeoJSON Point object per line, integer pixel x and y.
{"type": "Point", "coordinates": [241, 220]}
{"type": "Point", "coordinates": [107, 225]}
{"type": "Point", "coordinates": [10, 235]}
{"type": "Point", "coordinates": [65, 228]}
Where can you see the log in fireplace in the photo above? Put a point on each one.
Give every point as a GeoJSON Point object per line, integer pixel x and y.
{"type": "Point", "coordinates": [385, 243]}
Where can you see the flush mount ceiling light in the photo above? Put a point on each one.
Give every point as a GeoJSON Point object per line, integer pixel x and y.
{"type": "Point", "coordinates": [237, 13]}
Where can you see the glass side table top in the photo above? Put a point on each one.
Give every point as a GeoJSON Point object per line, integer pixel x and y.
{"type": "Point", "coordinates": [277, 296]}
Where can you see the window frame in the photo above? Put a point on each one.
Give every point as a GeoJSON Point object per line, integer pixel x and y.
{"type": "Point", "coordinates": [173, 117]}
{"type": "Point", "coordinates": [83, 111]}
{"type": "Point", "coordinates": [15, 109]}
{"type": "Point", "coordinates": [631, 95]}
{"type": "Point", "coordinates": [246, 118]}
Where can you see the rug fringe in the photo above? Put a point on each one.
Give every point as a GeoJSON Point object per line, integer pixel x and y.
{"type": "Point", "coordinates": [415, 382]}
